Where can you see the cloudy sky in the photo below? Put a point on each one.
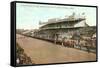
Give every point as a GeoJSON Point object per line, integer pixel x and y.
{"type": "Point", "coordinates": [29, 15]}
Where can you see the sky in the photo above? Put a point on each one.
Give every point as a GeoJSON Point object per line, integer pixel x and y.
{"type": "Point", "coordinates": [28, 16]}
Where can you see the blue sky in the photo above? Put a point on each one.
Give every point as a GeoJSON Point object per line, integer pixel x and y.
{"type": "Point", "coordinates": [29, 15]}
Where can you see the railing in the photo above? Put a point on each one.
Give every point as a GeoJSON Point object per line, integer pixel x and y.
{"type": "Point", "coordinates": [58, 27]}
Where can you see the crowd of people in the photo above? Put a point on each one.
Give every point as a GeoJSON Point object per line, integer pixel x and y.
{"type": "Point", "coordinates": [21, 57]}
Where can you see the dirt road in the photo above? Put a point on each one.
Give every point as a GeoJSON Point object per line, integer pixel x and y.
{"type": "Point", "coordinates": [42, 52]}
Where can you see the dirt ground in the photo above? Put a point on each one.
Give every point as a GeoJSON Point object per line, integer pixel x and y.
{"type": "Point", "coordinates": [43, 52]}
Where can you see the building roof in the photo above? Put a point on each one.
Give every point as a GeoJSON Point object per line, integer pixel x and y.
{"type": "Point", "coordinates": [72, 21]}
